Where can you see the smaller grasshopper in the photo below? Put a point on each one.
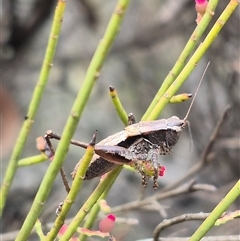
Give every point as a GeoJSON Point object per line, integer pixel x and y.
{"type": "Point", "coordinates": [138, 145]}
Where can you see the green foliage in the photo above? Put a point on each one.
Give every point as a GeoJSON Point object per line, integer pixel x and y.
{"type": "Point", "coordinates": [174, 80]}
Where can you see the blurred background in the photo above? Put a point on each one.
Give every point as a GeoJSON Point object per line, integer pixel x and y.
{"type": "Point", "coordinates": [152, 36]}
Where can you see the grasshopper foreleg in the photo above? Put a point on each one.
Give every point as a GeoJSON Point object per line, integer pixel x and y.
{"type": "Point", "coordinates": [52, 135]}
{"type": "Point", "coordinates": [45, 146]}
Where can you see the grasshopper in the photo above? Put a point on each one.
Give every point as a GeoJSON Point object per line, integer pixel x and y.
{"type": "Point", "coordinates": [138, 145]}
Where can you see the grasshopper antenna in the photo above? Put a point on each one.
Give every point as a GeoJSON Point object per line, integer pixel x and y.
{"type": "Point", "coordinates": [194, 97]}
{"type": "Point", "coordinates": [190, 107]}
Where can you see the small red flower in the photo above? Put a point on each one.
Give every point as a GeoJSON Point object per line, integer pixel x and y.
{"type": "Point", "coordinates": [107, 223]}
{"type": "Point", "coordinates": [162, 170]}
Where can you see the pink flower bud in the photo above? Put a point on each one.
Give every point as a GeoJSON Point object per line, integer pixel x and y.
{"type": "Point", "coordinates": [41, 143]}
{"type": "Point", "coordinates": [107, 223]}
{"type": "Point", "coordinates": [43, 147]}
{"type": "Point", "coordinates": [200, 6]}
{"type": "Point", "coordinates": [63, 230]}
{"type": "Point", "coordinates": [162, 170]}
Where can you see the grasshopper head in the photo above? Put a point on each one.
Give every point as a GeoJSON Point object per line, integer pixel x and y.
{"type": "Point", "coordinates": [175, 124]}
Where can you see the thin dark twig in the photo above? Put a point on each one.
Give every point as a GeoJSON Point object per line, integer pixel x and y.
{"type": "Point", "coordinates": [215, 135]}
{"type": "Point", "coordinates": [182, 218]}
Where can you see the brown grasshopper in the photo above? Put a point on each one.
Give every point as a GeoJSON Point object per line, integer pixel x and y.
{"type": "Point", "coordinates": [138, 145]}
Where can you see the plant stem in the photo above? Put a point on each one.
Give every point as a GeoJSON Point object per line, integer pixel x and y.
{"type": "Point", "coordinates": [92, 74]}
{"type": "Point", "coordinates": [118, 105]}
{"type": "Point", "coordinates": [76, 185]}
{"type": "Point", "coordinates": [209, 222]}
{"type": "Point", "coordinates": [34, 104]}
{"type": "Point", "coordinates": [191, 44]}
{"type": "Point", "coordinates": [194, 59]}
{"type": "Point", "coordinates": [32, 160]}
{"type": "Point", "coordinates": [94, 213]}
{"type": "Point", "coordinates": [96, 194]}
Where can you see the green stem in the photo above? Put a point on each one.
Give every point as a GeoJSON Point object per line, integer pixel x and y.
{"type": "Point", "coordinates": [194, 60]}
{"type": "Point", "coordinates": [180, 98]}
{"type": "Point", "coordinates": [209, 222]}
{"type": "Point", "coordinates": [118, 105]}
{"type": "Point", "coordinates": [92, 216]}
{"type": "Point", "coordinates": [34, 104]}
{"type": "Point", "coordinates": [191, 44]}
{"type": "Point", "coordinates": [96, 194]}
{"type": "Point", "coordinates": [76, 185]}
{"type": "Point", "coordinates": [72, 122]}
{"type": "Point", "coordinates": [32, 160]}
{"type": "Point", "coordinates": [38, 227]}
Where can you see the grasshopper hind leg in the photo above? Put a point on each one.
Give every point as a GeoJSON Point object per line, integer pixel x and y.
{"type": "Point", "coordinates": [156, 165]}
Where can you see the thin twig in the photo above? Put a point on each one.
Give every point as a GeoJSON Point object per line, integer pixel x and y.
{"type": "Point", "coordinates": [206, 157]}
{"type": "Point", "coordinates": [182, 218]}
{"type": "Point", "coordinates": [215, 135]}
{"type": "Point", "coordinates": [209, 238]}
{"type": "Point", "coordinates": [185, 188]}
{"type": "Point", "coordinates": [158, 207]}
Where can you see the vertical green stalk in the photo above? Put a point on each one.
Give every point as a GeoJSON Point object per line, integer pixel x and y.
{"type": "Point", "coordinates": [92, 74]}
{"type": "Point", "coordinates": [94, 197]}
{"type": "Point", "coordinates": [209, 222]}
{"type": "Point", "coordinates": [76, 185]}
{"type": "Point", "coordinates": [92, 216]}
{"type": "Point", "coordinates": [34, 104]}
{"type": "Point", "coordinates": [203, 47]}
{"type": "Point", "coordinates": [191, 44]}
